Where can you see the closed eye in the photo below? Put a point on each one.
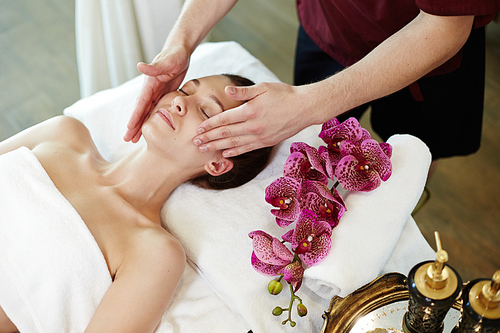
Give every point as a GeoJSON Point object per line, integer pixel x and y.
{"type": "Point", "coordinates": [205, 115]}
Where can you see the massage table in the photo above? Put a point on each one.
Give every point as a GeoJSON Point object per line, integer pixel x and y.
{"type": "Point", "coordinates": [219, 291]}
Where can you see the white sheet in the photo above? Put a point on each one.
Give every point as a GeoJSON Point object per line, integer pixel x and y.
{"type": "Point", "coordinates": [213, 225]}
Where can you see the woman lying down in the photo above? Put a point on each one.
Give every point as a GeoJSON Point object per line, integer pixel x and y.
{"type": "Point", "coordinates": [120, 202]}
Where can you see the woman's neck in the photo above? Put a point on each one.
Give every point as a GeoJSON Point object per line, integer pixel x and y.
{"type": "Point", "coordinates": [145, 179]}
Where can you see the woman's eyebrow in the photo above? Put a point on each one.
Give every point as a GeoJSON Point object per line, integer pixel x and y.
{"type": "Point", "coordinates": [216, 100]}
{"type": "Point", "coordinates": [211, 96]}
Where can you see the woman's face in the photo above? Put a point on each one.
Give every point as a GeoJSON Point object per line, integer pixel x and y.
{"type": "Point", "coordinates": [178, 114]}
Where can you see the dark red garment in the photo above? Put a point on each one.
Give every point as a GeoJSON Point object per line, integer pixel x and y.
{"type": "Point", "coordinates": [348, 30]}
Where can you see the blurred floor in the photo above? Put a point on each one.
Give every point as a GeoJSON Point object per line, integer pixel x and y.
{"type": "Point", "coordinates": [38, 78]}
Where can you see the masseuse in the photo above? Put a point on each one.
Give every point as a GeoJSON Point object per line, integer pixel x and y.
{"type": "Point", "coordinates": [418, 63]}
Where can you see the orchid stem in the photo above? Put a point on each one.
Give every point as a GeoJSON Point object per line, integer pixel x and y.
{"type": "Point", "coordinates": [293, 297]}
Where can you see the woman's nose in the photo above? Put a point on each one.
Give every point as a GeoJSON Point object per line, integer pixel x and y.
{"type": "Point", "coordinates": [179, 104]}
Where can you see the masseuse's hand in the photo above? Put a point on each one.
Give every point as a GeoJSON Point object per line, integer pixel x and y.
{"type": "Point", "coordinates": [164, 74]}
{"type": "Point", "coordinates": [273, 113]}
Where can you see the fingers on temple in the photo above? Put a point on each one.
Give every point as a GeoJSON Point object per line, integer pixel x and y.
{"type": "Point", "coordinates": [234, 145]}
{"type": "Point", "coordinates": [230, 152]}
{"type": "Point", "coordinates": [227, 118]}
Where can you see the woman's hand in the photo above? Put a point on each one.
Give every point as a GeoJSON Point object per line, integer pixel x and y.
{"type": "Point", "coordinates": [273, 113]}
{"type": "Point", "coordinates": [164, 74]}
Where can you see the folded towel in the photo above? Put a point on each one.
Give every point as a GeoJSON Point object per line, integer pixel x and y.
{"type": "Point", "coordinates": [411, 248]}
{"type": "Point", "coordinates": [371, 227]}
{"type": "Point", "coordinates": [213, 226]}
{"type": "Point", "coordinates": [52, 273]}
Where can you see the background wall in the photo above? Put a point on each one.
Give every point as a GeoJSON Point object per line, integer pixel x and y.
{"type": "Point", "coordinates": [38, 78]}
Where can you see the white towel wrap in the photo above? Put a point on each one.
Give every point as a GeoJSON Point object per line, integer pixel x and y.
{"type": "Point", "coordinates": [52, 273]}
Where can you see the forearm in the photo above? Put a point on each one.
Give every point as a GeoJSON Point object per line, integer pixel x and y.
{"type": "Point", "coordinates": [196, 20]}
{"type": "Point", "coordinates": [424, 44]}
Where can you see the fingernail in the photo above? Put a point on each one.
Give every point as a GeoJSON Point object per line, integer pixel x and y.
{"type": "Point", "coordinates": [227, 153]}
{"type": "Point", "coordinates": [203, 148]}
{"type": "Point", "coordinates": [231, 90]}
{"type": "Point", "coordinates": [200, 130]}
{"type": "Point", "coordinates": [197, 142]}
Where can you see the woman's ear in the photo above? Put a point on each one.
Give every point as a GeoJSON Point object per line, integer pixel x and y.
{"type": "Point", "coordinates": [217, 168]}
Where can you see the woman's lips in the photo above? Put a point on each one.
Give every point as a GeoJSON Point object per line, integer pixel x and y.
{"type": "Point", "coordinates": [167, 117]}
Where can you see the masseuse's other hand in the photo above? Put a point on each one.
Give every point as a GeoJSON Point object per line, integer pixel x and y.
{"type": "Point", "coordinates": [164, 74]}
{"type": "Point", "coordinates": [272, 114]}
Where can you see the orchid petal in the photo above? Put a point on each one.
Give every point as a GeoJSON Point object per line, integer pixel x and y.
{"type": "Point", "coordinates": [320, 227]}
{"type": "Point", "coordinates": [350, 130]}
{"type": "Point", "coordinates": [263, 249]}
{"type": "Point", "coordinates": [386, 148]}
{"type": "Point", "coordinates": [284, 187]}
{"type": "Point", "coordinates": [315, 196]}
{"type": "Point", "coordinates": [263, 268]}
{"type": "Point", "coordinates": [281, 250]}
{"type": "Point", "coordinates": [304, 162]}
{"type": "Point", "coordinates": [353, 180]}
{"type": "Point", "coordinates": [381, 163]}
{"type": "Point", "coordinates": [320, 247]}
{"type": "Point", "coordinates": [287, 237]}
{"type": "Point", "coordinates": [334, 122]}
{"type": "Point", "coordinates": [364, 166]}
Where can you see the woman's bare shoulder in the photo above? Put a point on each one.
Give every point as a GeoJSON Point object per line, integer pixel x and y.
{"type": "Point", "coordinates": [67, 129]}
{"type": "Point", "coordinates": [155, 247]}
{"type": "Point", "coordinates": [62, 129]}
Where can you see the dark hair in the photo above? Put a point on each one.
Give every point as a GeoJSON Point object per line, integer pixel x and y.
{"type": "Point", "coordinates": [245, 166]}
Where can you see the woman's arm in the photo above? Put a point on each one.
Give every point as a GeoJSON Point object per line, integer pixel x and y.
{"type": "Point", "coordinates": [142, 287]}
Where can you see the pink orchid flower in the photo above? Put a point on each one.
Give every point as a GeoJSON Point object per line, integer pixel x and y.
{"type": "Point", "coordinates": [327, 204]}
{"type": "Point", "coordinates": [333, 133]}
{"type": "Point", "coordinates": [311, 238]}
{"type": "Point", "coordinates": [304, 162]}
{"type": "Point", "coordinates": [271, 257]}
{"type": "Point", "coordinates": [363, 166]}
{"type": "Point", "coordinates": [282, 194]}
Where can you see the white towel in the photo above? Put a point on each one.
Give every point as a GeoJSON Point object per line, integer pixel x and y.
{"type": "Point", "coordinates": [213, 227]}
{"type": "Point", "coordinates": [52, 273]}
{"type": "Point", "coordinates": [371, 227]}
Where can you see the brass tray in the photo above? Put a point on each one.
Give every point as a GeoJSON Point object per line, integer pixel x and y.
{"type": "Point", "coordinates": [379, 304]}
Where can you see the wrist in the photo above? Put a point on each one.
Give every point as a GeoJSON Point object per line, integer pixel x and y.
{"type": "Point", "coordinates": [177, 39]}
{"type": "Point", "coordinates": [323, 100]}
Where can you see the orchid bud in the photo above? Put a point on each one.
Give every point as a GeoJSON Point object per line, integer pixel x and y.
{"type": "Point", "coordinates": [301, 310]}
{"type": "Point", "coordinates": [274, 287]}
{"type": "Point", "coordinates": [277, 311]}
